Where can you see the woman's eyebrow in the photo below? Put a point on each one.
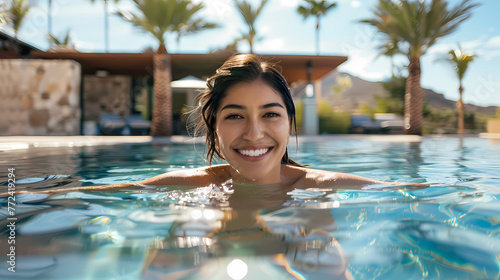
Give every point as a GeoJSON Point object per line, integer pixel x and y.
{"type": "Point", "coordinates": [241, 107]}
{"type": "Point", "coordinates": [265, 106]}
{"type": "Point", "coordinates": [233, 106]}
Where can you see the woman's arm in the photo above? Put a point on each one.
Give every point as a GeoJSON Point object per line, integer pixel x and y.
{"type": "Point", "coordinates": [192, 177]}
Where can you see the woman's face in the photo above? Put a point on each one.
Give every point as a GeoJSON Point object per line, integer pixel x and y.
{"type": "Point", "coordinates": [253, 130]}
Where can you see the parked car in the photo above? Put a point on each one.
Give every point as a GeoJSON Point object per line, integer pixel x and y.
{"type": "Point", "coordinates": [382, 123]}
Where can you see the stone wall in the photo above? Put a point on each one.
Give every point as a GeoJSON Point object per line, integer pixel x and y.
{"type": "Point", "coordinates": [39, 97]}
{"type": "Point", "coordinates": [106, 95]}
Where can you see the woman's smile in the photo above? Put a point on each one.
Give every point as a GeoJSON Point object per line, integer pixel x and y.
{"type": "Point", "coordinates": [253, 154]}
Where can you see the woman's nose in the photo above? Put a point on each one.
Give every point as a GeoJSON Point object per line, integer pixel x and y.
{"type": "Point", "coordinates": [254, 130]}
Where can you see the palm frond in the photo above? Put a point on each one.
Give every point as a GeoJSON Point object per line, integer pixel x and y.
{"type": "Point", "coordinates": [17, 13]}
{"type": "Point", "coordinates": [4, 13]}
{"type": "Point", "coordinates": [249, 15]}
{"type": "Point", "coordinates": [314, 7]}
{"type": "Point", "coordinates": [419, 23]}
{"type": "Point", "coordinates": [61, 42]}
{"type": "Point", "coordinates": [460, 61]}
{"type": "Point", "coordinates": [158, 17]}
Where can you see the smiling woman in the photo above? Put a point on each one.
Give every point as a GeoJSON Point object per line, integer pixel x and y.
{"type": "Point", "coordinates": [247, 114]}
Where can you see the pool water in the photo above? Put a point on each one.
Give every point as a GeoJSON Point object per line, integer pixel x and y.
{"type": "Point", "coordinates": [449, 230]}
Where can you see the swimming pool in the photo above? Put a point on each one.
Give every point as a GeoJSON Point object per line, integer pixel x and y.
{"type": "Point", "coordinates": [449, 230]}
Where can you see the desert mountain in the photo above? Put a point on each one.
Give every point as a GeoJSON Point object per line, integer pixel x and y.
{"type": "Point", "coordinates": [362, 91]}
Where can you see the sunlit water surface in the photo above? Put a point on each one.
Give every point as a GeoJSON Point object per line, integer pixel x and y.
{"type": "Point", "coordinates": [449, 230]}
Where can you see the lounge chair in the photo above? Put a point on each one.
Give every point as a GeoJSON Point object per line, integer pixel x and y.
{"type": "Point", "coordinates": [138, 125]}
{"type": "Point", "coordinates": [110, 124]}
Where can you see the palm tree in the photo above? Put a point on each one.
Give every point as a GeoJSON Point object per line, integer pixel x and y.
{"type": "Point", "coordinates": [189, 26]}
{"type": "Point", "coordinates": [249, 16]}
{"type": "Point", "coordinates": [4, 15]}
{"type": "Point", "coordinates": [63, 43]}
{"type": "Point", "coordinates": [106, 23]}
{"type": "Point", "coordinates": [318, 9]}
{"type": "Point", "coordinates": [49, 18]}
{"type": "Point", "coordinates": [416, 26]}
{"type": "Point", "coordinates": [158, 17]}
{"type": "Point", "coordinates": [16, 14]}
{"type": "Point", "coordinates": [460, 61]}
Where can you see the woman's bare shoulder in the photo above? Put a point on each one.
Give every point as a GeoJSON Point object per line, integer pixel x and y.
{"type": "Point", "coordinates": [309, 177]}
{"type": "Point", "coordinates": [190, 177]}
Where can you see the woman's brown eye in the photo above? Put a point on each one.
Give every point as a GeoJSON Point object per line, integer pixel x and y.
{"type": "Point", "coordinates": [272, 115]}
{"type": "Point", "coordinates": [233, 117]}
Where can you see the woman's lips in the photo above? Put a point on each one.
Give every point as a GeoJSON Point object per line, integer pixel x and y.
{"type": "Point", "coordinates": [253, 153]}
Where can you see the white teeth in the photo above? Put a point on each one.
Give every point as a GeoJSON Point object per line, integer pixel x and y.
{"type": "Point", "coordinates": [253, 153]}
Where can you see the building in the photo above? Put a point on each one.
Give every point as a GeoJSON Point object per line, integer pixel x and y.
{"type": "Point", "coordinates": [62, 92]}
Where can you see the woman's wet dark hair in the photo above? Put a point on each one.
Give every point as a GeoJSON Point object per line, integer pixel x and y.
{"type": "Point", "coordinates": [237, 69]}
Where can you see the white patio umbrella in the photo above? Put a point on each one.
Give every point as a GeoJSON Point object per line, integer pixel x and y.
{"type": "Point", "coordinates": [190, 84]}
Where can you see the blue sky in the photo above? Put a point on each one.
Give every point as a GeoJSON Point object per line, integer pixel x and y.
{"type": "Point", "coordinates": [283, 31]}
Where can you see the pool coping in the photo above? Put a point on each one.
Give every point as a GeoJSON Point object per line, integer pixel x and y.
{"type": "Point", "coordinates": [8, 143]}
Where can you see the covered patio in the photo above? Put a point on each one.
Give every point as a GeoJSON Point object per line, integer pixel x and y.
{"type": "Point", "coordinates": [295, 67]}
{"type": "Point", "coordinates": [122, 83]}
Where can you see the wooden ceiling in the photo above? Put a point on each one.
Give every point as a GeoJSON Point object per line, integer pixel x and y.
{"type": "Point", "coordinates": [199, 65]}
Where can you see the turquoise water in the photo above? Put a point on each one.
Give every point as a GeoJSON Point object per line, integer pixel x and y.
{"type": "Point", "coordinates": [449, 230]}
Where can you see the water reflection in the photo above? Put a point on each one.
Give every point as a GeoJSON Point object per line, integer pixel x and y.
{"type": "Point", "coordinates": [414, 159]}
{"type": "Point", "coordinates": [261, 236]}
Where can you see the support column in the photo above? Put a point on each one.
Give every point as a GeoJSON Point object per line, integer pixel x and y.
{"type": "Point", "coordinates": [310, 118]}
{"type": "Point", "coordinates": [310, 125]}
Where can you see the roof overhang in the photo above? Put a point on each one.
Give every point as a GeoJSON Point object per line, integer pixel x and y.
{"type": "Point", "coordinates": [294, 67]}
{"type": "Point", "coordinates": [11, 47]}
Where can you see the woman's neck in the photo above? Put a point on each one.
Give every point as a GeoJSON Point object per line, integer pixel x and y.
{"type": "Point", "coordinates": [224, 173]}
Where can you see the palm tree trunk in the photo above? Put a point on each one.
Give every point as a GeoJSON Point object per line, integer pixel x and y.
{"type": "Point", "coordinates": [317, 35]}
{"type": "Point", "coordinates": [106, 26]}
{"type": "Point", "coordinates": [460, 109]}
{"type": "Point", "coordinates": [49, 17]}
{"type": "Point", "coordinates": [251, 37]}
{"type": "Point", "coordinates": [413, 99]}
{"type": "Point", "coordinates": [162, 111]}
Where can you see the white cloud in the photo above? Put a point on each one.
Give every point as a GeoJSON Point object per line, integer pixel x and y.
{"type": "Point", "coordinates": [352, 3]}
{"type": "Point", "coordinates": [487, 48]}
{"type": "Point", "coordinates": [222, 9]}
{"type": "Point", "coordinates": [356, 4]}
{"type": "Point", "coordinates": [440, 50]}
{"type": "Point", "coordinates": [86, 46]}
{"type": "Point", "coordinates": [265, 29]}
{"type": "Point", "coordinates": [289, 3]}
{"type": "Point", "coordinates": [272, 45]}
{"type": "Point", "coordinates": [493, 42]}
{"type": "Point", "coordinates": [359, 63]}
{"type": "Point", "coordinates": [490, 54]}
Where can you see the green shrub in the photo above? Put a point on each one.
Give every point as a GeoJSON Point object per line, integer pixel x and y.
{"type": "Point", "coordinates": [332, 122]}
{"type": "Point", "coordinates": [366, 109]}
{"type": "Point", "coordinates": [299, 109]}
{"type": "Point", "coordinates": [497, 117]}
{"type": "Point", "coordinates": [329, 121]}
